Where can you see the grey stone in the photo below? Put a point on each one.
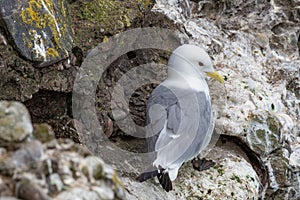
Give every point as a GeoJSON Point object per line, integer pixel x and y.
{"type": "Point", "coordinates": [55, 183]}
{"type": "Point", "coordinates": [105, 192]}
{"type": "Point", "coordinates": [15, 123]}
{"type": "Point", "coordinates": [92, 167]}
{"type": "Point", "coordinates": [28, 190]}
{"type": "Point", "coordinates": [30, 153]}
{"type": "Point", "coordinates": [8, 198]}
{"type": "Point", "coordinates": [79, 193]}
{"type": "Point", "coordinates": [264, 134]}
{"type": "Point", "coordinates": [232, 178]}
{"type": "Point", "coordinates": [39, 29]}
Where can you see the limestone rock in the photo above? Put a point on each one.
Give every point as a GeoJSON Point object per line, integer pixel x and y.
{"type": "Point", "coordinates": [55, 183]}
{"type": "Point", "coordinates": [15, 123]}
{"type": "Point", "coordinates": [29, 154]}
{"type": "Point", "coordinates": [254, 45]}
{"type": "Point", "coordinates": [232, 177]}
{"type": "Point", "coordinates": [79, 194]}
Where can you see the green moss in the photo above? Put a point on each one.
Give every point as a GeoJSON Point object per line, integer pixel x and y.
{"type": "Point", "coordinates": [5, 122]}
{"type": "Point", "coordinates": [106, 12]}
{"type": "Point", "coordinates": [145, 5]}
{"type": "Point", "coordinates": [110, 12]}
{"type": "Point", "coordinates": [85, 171]}
{"type": "Point", "coordinates": [126, 20]}
{"type": "Point", "coordinates": [220, 171]}
{"type": "Point", "coordinates": [98, 173]}
{"type": "Point", "coordinates": [235, 177]}
{"type": "Point", "coordinates": [258, 119]}
{"type": "Point", "coordinates": [43, 132]}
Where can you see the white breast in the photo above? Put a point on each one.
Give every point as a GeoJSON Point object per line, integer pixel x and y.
{"type": "Point", "coordinates": [189, 82]}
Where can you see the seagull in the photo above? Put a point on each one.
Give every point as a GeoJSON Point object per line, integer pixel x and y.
{"type": "Point", "coordinates": [179, 115]}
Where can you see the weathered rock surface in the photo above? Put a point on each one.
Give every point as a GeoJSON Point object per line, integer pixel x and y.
{"type": "Point", "coordinates": [38, 29]}
{"type": "Point", "coordinates": [36, 33]}
{"type": "Point", "coordinates": [255, 46]}
{"type": "Point", "coordinates": [29, 154]}
{"type": "Point", "coordinates": [28, 190]}
{"type": "Point", "coordinates": [53, 169]}
{"type": "Point", "coordinates": [232, 178]}
{"type": "Point", "coordinates": [15, 124]}
{"type": "Point", "coordinates": [43, 132]}
{"type": "Point", "coordinates": [96, 20]}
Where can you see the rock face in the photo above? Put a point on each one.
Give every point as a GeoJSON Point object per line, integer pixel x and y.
{"type": "Point", "coordinates": [35, 34]}
{"type": "Point", "coordinates": [255, 46]}
{"type": "Point", "coordinates": [38, 29]}
{"type": "Point", "coordinates": [99, 19]}
{"type": "Point", "coordinates": [232, 178]}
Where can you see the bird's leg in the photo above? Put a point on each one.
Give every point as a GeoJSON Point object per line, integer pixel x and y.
{"type": "Point", "coordinates": [202, 164]}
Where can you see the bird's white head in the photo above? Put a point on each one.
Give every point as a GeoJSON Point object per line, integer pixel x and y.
{"type": "Point", "coordinates": [193, 61]}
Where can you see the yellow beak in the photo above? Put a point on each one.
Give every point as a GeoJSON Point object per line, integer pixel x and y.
{"type": "Point", "coordinates": [215, 75]}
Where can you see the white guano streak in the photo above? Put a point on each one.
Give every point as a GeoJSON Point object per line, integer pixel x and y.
{"type": "Point", "coordinates": [52, 15]}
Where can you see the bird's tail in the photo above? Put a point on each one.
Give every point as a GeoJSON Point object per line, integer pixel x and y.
{"type": "Point", "coordinates": [163, 177]}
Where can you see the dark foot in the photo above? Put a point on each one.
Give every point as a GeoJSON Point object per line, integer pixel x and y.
{"type": "Point", "coordinates": [163, 177]}
{"type": "Point", "coordinates": [165, 181]}
{"type": "Point", "coordinates": [202, 164]}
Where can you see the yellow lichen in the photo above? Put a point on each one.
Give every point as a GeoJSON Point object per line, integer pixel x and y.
{"type": "Point", "coordinates": [126, 21]}
{"type": "Point", "coordinates": [40, 14]}
{"type": "Point", "coordinates": [51, 53]}
{"type": "Point", "coordinates": [63, 9]}
{"type": "Point", "coordinates": [32, 15]}
{"type": "Point", "coordinates": [105, 39]}
{"type": "Point", "coordinates": [116, 180]}
{"type": "Point", "coordinates": [30, 44]}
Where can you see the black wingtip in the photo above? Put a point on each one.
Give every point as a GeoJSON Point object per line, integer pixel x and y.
{"type": "Point", "coordinates": [147, 175]}
{"type": "Point", "coordinates": [202, 164]}
{"type": "Point", "coordinates": [165, 181]}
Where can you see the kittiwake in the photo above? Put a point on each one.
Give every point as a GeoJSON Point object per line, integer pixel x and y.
{"type": "Point", "coordinates": [179, 114]}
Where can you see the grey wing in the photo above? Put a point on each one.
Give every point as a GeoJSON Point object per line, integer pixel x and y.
{"type": "Point", "coordinates": [176, 144]}
{"type": "Point", "coordinates": [204, 129]}
{"type": "Point", "coordinates": [161, 105]}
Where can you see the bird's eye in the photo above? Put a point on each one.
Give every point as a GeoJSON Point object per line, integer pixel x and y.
{"type": "Point", "coordinates": [200, 64]}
